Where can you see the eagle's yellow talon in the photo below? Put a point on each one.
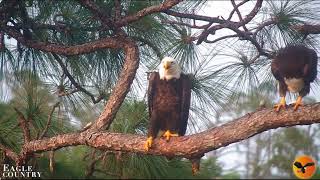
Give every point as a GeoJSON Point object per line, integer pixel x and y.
{"type": "Point", "coordinates": [282, 103]}
{"type": "Point", "coordinates": [298, 103]}
{"type": "Point", "coordinates": [148, 144]}
{"type": "Point", "coordinates": [168, 134]}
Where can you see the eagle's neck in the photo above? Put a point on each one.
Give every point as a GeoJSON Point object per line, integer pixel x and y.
{"type": "Point", "coordinates": [167, 74]}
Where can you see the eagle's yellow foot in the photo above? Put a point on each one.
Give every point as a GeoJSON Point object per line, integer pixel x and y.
{"type": "Point", "coordinates": [168, 134]}
{"type": "Point", "coordinates": [148, 143]}
{"type": "Point", "coordinates": [298, 103]}
{"type": "Point", "coordinates": [282, 103]}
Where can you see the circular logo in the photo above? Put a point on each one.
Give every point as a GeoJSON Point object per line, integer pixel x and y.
{"type": "Point", "coordinates": [304, 167]}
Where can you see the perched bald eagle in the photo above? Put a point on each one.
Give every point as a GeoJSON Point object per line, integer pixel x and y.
{"type": "Point", "coordinates": [169, 94]}
{"type": "Point", "coordinates": [295, 67]}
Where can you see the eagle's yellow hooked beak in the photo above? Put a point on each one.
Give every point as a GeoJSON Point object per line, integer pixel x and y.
{"type": "Point", "coordinates": [166, 65]}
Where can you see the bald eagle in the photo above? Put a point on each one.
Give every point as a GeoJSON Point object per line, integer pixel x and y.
{"type": "Point", "coordinates": [169, 94]}
{"type": "Point", "coordinates": [295, 67]}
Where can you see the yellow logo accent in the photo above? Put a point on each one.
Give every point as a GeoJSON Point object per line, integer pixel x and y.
{"type": "Point", "coordinates": [304, 167]}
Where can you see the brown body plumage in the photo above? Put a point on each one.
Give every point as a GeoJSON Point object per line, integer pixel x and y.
{"type": "Point", "coordinates": [295, 67]}
{"type": "Point", "coordinates": [169, 103]}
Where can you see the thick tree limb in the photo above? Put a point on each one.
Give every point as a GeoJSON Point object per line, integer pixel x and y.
{"type": "Point", "coordinates": [186, 146]}
{"type": "Point", "coordinates": [122, 87]}
{"type": "Point", "coordinates": [108, 42]}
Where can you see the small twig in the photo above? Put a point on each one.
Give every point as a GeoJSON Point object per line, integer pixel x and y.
{"type": "Point", "coordinates": [239, 14]}
{"type": "Point", "coordinates": [74, 82]}
{"type": "Point", "coordinates": [236, 8]}
{"type": "Point", "coordinates": [24, 124]}
{"type": "Point", "coordinates": [195, 17]}
{"type": "Point", "coordinates": [49, 120]}
{"type": "Point", "coordinates": [233, 25]}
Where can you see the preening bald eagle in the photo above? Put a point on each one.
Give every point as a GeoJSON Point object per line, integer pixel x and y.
{"type": "Point", "coordinates": [295, 67]}
{"type": "Point", "coordinates": [169, 94]}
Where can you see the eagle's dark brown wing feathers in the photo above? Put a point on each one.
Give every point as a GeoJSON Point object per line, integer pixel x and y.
{"type": "Point", "coordinates": [312, 67]}
{"type": "Point", "coordinates": [185, 103]}
{"type": "Point", "coordinates": [152, 85]}
{"type": "Point", "coordinates": [275, 71]}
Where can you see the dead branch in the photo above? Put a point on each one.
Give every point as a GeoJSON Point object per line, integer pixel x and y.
{"type": "Point", "coordinates": [236, 7]}
{"type": "Point", "coordinates": [231, 25]}
{"type": "Point", "coordinates": [45, 130]}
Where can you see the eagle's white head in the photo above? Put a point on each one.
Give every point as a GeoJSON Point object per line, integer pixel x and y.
{"type": "Point", "coordinates": [169, 68]}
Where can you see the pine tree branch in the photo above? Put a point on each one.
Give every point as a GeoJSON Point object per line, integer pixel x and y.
{"type": "Point", "coordinates": [45, 130]}
{"type": "Point", "coordinates": [187, 146]}
{"type": "Point", "coordinates": [167, 4]}
{"type": "Point", "coordinates": [236, 8]}
{"type": "Point", "coordinates": [75, 83]}
{"type": "Point", "coordinates": [231, 25]}
{"type": "Point", "coordinates": [24, 124]}
{"type": "Point", "coordinates": [102, 43]}
{"type": "Point", "coordinates": [127, 74]}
